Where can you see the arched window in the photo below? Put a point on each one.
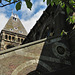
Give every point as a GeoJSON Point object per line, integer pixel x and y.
{"type": "Point", "coordinates": [21, 40]}
{"type": "Point", "coordinates": [9, 37]}
{"type": "Point", "coordinates": [6, 36]}
{"type": "Point", "coordinates": [13, 38]}
{"type": "Point", "coordinates": [18, 39]}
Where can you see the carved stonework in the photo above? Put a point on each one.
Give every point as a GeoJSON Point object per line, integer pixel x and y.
{"type": "Point", "coordinates": [13, 33]}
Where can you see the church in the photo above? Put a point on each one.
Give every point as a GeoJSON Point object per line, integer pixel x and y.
{"type": "Point", "coordinates": [43, 51]}
{"type": "Point", "coordinates": [13, 33]}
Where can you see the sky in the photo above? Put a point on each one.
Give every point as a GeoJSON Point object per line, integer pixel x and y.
{"type": "Point", "coordinates": [28, 17]}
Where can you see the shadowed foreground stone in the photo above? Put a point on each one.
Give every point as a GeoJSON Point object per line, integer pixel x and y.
{"type": "Point", "coordinates": [38, 57]}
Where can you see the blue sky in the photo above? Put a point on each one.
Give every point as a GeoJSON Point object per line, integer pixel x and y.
{"type": "Point", "coordinates": [27, 17]}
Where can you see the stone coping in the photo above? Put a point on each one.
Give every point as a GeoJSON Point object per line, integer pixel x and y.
{"type": "Point", "coordinates": [22, 46]}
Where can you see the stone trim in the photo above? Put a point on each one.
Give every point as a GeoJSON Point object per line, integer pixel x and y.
{"type": "Point", "coordinates": [22, 46]}
{"type": "Point", "coordinates": [51, 59]}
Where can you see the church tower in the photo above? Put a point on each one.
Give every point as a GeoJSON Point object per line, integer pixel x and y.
{"type": "Point", "coordinates": [13, 33]}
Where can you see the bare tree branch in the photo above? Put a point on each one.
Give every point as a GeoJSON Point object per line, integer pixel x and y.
{"type": "Point", "coordinates": [8, 3]}
{"type": "Point", "coordinates": [65, 1]}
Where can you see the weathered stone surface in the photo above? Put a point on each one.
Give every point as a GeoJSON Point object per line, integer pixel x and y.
{"type": "Point", "coordinates": [12, 34]}
{"type": "Point", "coordinates": [20, 60]}
{"type": "Point", "coordinates": [38, 55]}
{"type": "Point", "coordinates": [1, 56]}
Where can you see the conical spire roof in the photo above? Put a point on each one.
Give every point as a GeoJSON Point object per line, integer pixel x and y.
{"type": "Point", "coordinates": [14, 25]}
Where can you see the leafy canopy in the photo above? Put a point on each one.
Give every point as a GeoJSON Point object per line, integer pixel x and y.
{"type": "Point", "coordinates": [70, 5]}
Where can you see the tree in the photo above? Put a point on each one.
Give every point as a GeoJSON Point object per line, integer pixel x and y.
{"type": "Point", "coordinates": [70, 5]}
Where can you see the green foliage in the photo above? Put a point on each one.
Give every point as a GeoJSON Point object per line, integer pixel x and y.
{"type": "Point", "coordinates": [18, 5]}
{"type": "Point", "coordinates": [15, 0]}
{"type": "Point", "coordinates": [69, 3]}
{"type": "Point", "coordinates": [8, 1]}
{"type": "Point", "coordinates": [62, 4]}
{"type": "Point", "coordinates": [71, 19]}
{"type": "Point", "coordinates": [43, 0]}
{"type": "Point", "coordinates": [48, 1]}
{"type": "Point", "coordinates": [63, 32]}
{"type": "Point", "coordinates": [52, 2]}
{"type": "Point", "coordinates": [69, 10]}
{"type": "Point", "coordinates": [19, 2]}
{"type": "Point", "coordinates": [0, 1]}
{"type": "Point", "coordinates": [29, 4]}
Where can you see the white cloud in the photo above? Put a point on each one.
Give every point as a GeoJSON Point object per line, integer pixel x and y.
{"type": "Point", "coordinates": [27, 24]}
{"type": "Point", "coordinates": [2, 10]}
{"type": "Point", "coordinates": [5, 9]}
{"type": "Point", "coordinates": [31, 16]}
{"type": "Point", "coordinates": [3, 20]}
{"type": "Point", "coordinates": [42, 3]}
{"type": "Point", "coordinates": [37, 6]}
{"type": "Point", "coordinates": [26, 13]}
{"type": "Point", "coordinates": [31, 22]}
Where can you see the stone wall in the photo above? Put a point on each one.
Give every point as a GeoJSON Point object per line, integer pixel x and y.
{"type": "Point", "coordinates": [10, 39]}
{"type": "Point", "coordinates": [42, 56]}
{"type": "Point", "coordinates": [22, 59]}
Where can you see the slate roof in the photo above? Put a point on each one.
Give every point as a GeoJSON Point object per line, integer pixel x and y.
{"type": "Point", "coordinates": [14, 25]}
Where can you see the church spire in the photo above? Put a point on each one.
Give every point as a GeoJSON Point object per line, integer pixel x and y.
{"type": "Point", "coordinates": [12, 12]}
